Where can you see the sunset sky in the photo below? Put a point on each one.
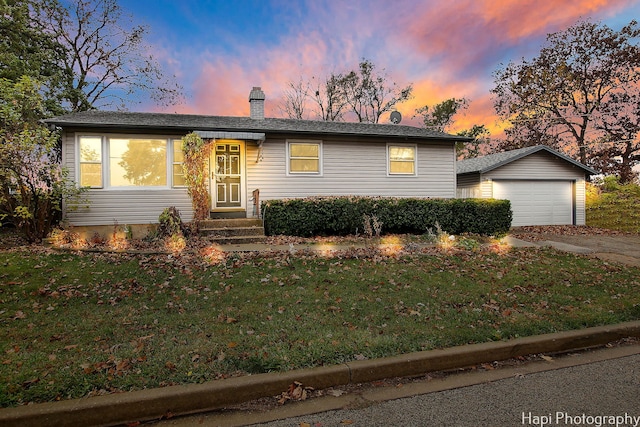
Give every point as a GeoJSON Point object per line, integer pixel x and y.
{"type": "Point", "coordinates": [219, 50]}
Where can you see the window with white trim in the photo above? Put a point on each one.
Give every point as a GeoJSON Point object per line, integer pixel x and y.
{"type": "Point", "coordinates": [90, 165]}
{"type": "Point", "coordinates": [304, 157]}
{"type": "Point", "coordinates": [401, 159]}
{"type": "Point", "coordinates": [177, 162]}
{"type": "Point", "coordinates": [122, 162]}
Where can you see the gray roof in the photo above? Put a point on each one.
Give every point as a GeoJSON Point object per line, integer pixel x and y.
{"type": "Point", "coordinates": [492, 161]}
{"type": "Point", "coordinates": [188, 122]}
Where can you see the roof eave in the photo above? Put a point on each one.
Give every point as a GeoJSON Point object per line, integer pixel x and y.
{"type": "Point", "coordinates": [303, 132]}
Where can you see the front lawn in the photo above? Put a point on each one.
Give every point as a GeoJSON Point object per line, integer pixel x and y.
{"type": "Point", "coordinates": [79, 324]}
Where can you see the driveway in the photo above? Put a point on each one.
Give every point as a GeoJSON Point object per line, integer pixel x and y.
{"type": "Point", "coordinates": [609, 246]}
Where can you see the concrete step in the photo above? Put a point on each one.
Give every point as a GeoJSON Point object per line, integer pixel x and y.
{"type": "Point", "coordinates": [236, 240]}
{"type": "Point", "coordinates": [231, 222]}
{"type": "Point", "coordinates": [233, 231]}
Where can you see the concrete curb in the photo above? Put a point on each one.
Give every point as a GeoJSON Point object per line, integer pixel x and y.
{"type": "Point", "coordinates": [189, 399]}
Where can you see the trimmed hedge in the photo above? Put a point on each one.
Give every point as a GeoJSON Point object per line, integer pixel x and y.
{"type": "Point", "coordinates": [336, 216]}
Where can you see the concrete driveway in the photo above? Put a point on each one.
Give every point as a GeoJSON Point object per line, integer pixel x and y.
{"type": "Point", "coordinates": [623, 248]}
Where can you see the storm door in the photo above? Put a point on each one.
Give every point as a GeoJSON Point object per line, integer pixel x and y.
{"type": "Point", "coordinates": [227, 161]}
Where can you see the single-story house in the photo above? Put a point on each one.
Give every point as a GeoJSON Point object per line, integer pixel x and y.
{"type": "Point", "coordinates": [132, 162]}
{"type": "Point", "coordinates": [544, 186]}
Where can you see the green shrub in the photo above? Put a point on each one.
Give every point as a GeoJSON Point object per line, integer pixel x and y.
{"type": "Point", "coordinates": [170, 223]}
{"type": "Point", "coordinates": [344, 215]}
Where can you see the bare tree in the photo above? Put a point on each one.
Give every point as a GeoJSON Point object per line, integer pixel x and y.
{"type": "Point", "coordinates": [369, 95]}
{"type": "Point", "coordinates": [106, 62]}
{"type": "Point", "coordinates": [364, 93]}
{"type": "Point", "coordinates": [295, 97]}
{"type": "Point", "coordinates": [330, 99]}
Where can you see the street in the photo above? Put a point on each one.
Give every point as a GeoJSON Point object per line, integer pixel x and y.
{"type": "Point", "coordinates": [583, 395]}
{"type": "Point", "coordinates": [592, 388]}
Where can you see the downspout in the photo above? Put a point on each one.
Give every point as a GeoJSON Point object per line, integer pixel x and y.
{"type": "Point", "coordinates": [260, 156]}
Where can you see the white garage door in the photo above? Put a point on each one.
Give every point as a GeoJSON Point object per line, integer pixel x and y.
{"type": "Point", "coordinates": [537, 202]}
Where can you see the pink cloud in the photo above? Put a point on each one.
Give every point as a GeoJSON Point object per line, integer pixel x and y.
{"type": "Point", "coordinates": [446, 49]}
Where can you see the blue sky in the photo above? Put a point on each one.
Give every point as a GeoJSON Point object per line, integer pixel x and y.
{"type": "Point", "coordinates": [218, 50]}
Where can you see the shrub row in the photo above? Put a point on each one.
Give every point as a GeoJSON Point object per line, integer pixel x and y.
{"type": "Point", "coordinates": [331, 216]}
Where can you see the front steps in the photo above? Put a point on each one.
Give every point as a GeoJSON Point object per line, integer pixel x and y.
{"type": "Point", "coordinates": [233, 230]}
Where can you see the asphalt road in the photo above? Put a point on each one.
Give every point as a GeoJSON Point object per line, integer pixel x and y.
{"type": "Point", "coordinates": [604, 389]}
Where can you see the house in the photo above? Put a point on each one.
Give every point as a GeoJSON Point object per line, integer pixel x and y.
{"type": "Point", "coordinates": [132, 162]}
{"type": "Point", "coordinates": [544, 186]}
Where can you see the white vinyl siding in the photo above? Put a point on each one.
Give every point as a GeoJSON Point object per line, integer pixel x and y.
{"type": "Point", "coordinates": [540, 165]}
{"type": "Point", "coordinates": [121, 206]}
{"type": "Point", "coordinates": [352, 168]}
{"type": "Point", "coordinates": [468, 186]}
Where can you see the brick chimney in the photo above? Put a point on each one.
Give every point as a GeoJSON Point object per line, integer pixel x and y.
{"type": "Point", "coordinates": [256, 103]}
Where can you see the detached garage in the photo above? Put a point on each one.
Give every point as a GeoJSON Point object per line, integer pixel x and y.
{"type": "Point", "coordinates": [544, 186]}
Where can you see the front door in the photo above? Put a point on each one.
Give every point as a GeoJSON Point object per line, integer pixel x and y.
{"type": "Point", "coordinates": [227, 180]}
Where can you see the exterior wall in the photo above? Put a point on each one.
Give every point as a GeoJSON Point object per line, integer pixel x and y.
{"type": "Point", "coordinates": [351, 168]}
{"type": "Point", "coordinates": [580, 201]}
{"type": "Point", "coordinates": [130, 206]}
{"type": "Point", "coordinates": [468, 186]}
{"type": "Point", "coordinates": [541, 166]}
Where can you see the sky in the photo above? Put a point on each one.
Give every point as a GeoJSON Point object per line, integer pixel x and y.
{"type": "Point", "coordinates": [219, 50]}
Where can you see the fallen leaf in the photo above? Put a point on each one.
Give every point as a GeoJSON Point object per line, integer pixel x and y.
{"type": "Point", "coordinates": [232, 344]}
{"type": "Point", "coordinates": [547, 358]}
{"type": "Point", "coordinates": [346, 422]}
{"type": "Point", "coordinates": [31, 382]}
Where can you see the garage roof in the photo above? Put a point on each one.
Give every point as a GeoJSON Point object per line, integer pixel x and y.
{"type": "Point", "coordinates": [492, 161]}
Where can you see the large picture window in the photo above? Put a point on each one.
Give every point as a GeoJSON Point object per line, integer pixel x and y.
{"type": "Point", "coordinates": [402, 159]}
{"type": "Point", "coordinates": [304, 157]}
{"type": "Point", "coordinates": [121, 162]}
{"type": "Point", "coordinates": [137, 162]}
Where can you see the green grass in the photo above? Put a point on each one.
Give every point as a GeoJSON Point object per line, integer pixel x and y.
{"type": "Point", "coordinates": [73, 325]}
{"type": "Point", "coordinates": [614, 206]}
